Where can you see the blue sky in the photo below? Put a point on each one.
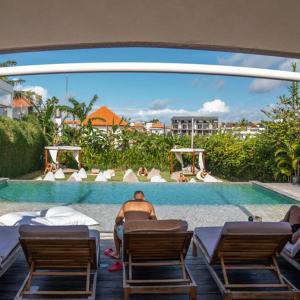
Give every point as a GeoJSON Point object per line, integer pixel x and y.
{"type": "Point", "coordinates": [143, 96]}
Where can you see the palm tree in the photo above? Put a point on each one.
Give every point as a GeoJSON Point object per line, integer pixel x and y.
{"type": "Point", "coordinates": [79, 110]}
{"type": "Point", "coordinates": [13, 82]}
{"type": "Point", "coordinates": [287, 158]}
{"type": "Point", "coordinates": [45, 114]}
{"type": "Point", "coordinates": [19, 93]}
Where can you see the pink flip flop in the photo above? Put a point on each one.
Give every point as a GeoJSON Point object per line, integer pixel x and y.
{"type": "Point", "coordinates": [116, 267]}
{"type": "Point", "coordinates": [109, 252]}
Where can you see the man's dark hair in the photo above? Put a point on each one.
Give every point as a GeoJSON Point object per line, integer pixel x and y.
{"type": "Point", "coordinates": [138, 192]}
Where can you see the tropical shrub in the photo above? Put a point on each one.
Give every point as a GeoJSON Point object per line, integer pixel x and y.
{"type": "Point", "coordinates": [21, 147]}
{"type": "Point", "coordinates": [287, 158]}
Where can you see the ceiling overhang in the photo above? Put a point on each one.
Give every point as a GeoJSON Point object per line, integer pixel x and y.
{"type": "Point", "coordinates": [259, 26]}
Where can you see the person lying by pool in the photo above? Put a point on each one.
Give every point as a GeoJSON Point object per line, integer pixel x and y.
{"type": "Point", "coordinates": [182, 178]}
{"type": "Point", "coordinates": [136, 209]}
{"type": "Point", "coordinates": [142, 171]}
{"type": "Point", "coordinates": [293, 217]}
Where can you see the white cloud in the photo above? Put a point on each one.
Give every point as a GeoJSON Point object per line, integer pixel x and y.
{"type": "Point", "coordinates": [250, 60]}
{"type": "Point", "coordinates": [38, 90]}
{"type": "Point", "coordinates": [214, 106]}
{"type": "Point", "coordinates": [264, 85]}
{"type": "Point", "coordinates": [159, 104]}
{"type": "Point", "coordinates": [259, 85]}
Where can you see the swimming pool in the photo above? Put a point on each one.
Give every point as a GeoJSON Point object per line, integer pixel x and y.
{"type": "Point", "coordinates": [157, 193]}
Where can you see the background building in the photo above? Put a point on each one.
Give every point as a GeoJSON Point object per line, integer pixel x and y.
{"type": "Point", "coordinates": [21, 108]}
{"type": "Point", "coordinates": [6, 96]}
{"type": "Point", "coordinates": [202, 125]}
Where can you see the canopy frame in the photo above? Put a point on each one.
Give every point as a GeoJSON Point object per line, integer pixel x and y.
{"type": "Point", "coordinates": [190, 151]}
{"type": "Point", "coordinates": [60, 149]}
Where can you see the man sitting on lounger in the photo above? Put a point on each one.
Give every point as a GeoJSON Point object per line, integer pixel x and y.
{"type": "Point", "coordinates": [136, 209]}
{"type": "Point", "coordinates": [293, 217]}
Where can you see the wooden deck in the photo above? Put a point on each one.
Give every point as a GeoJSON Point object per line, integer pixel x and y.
{"type": "Point", "coordinates": [109, 285]}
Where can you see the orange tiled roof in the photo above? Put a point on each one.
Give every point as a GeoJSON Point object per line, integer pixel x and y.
{"type": "Point", "coordinates": [21, 102]}
{"type": "Point", "coordinates": [108, 116]}
{"type": "Point", "coordinates": [138, 125]}
{"type": "Point", "coordinates": [157, 125]}
{"type": "Point", "coordinates": [77, 122]}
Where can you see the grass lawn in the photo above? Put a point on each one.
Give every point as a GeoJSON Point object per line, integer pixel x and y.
{"type": "Point", "coordinates": [91, 178]}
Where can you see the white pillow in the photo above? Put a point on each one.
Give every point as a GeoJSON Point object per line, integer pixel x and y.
{"type": "Point", "coordinates": [18, 218]}
{"type": "Point", "coordinates": [65, 215]}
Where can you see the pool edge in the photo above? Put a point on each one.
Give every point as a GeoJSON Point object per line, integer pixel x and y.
{"type": "Point", "coordinates": [276, 190]}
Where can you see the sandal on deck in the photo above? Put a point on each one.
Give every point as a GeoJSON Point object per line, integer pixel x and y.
{"type": "Point", "coordinates": [116, 267]}
{"type": "Point", "coordinates": [109, 252]}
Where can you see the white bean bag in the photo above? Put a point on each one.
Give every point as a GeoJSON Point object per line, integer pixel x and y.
{"type": "Point", "coordinates": [111, 172]}
{"type": "Point", "coordinates": [157, 179]}
{"type": "Point", "coordinates": [95, 171]}
{"type": "Point", "coordinates": [107, 175]}
{"type": "Point", "coordinates": [75, 177]}
{"type": "Point", "coordinates": [130, 177]}
{"type": "Point", "coordinates": [49, 177]}
{"type": "Point", "coordinates": [59, 174]}
{"type": "Point", "coordinates": [101, 178]}
{"type": "Point", "coordinates": [128, 171]}
{"type": "Point", "coordinates": [39, 178]}
{"type": "Point", "coordinates": [82, 173]}
{"type": "Point", "coordinates": [193, 180]}
{"type": "Point", "coordinates": [152, 173]}
{"type": "Point", "coordinates": [209, 178]}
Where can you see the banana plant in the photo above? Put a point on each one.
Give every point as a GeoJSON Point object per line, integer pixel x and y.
{"type": "Point", "coordinates": [287, 158]}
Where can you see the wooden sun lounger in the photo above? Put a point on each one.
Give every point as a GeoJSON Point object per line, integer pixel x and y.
{"type": "Point", "coordinates": [150, 244]}
{"type": "Point", "coordinates": [60, 251]}
{"type": "Point", "coordinates": [242, 246]}
{"type": "Point", "coordinates": [9, 247]}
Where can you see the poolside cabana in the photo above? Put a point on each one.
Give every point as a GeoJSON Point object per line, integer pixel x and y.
{"type": "Point", "coordinates": [55, 151]}
{"type": "Point", "coordinates": [179, 152]}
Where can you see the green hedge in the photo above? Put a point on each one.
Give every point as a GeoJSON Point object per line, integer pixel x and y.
{"type": "Point", "coordinates": [21, 147]}
{"type": "Point", "coordinates": [226, 155]}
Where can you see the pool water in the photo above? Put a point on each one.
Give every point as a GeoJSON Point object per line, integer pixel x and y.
{"type": "Point", "coordinates": [157, 193]}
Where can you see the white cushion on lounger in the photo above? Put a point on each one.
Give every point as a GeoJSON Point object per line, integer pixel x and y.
{"type": "Point", "coordinates": [9, 239]}
{"type": "Point", "coordinates": [64, 215]}
{"type": "Point", "coordinates": [107, 175]}
{"type": "Point", "coordinates": [59, 215]}
{"type": "Point", "coordinates": [82, 173]}
{"type": "Point", "coordinates": [18, 218]}
{"type": "Point", "coordinates": [59, 174]}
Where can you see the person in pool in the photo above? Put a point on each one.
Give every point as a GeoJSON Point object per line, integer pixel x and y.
{"type": "Point", "coordinates": [293, 217]}
{"type": "Point", "coordinates": [136, 209]}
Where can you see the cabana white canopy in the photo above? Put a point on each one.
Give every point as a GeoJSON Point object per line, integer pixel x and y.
{"type": "Point", "coordinates": [54, 152]}
{"type": "Point", "coordinates": [191, 151]}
